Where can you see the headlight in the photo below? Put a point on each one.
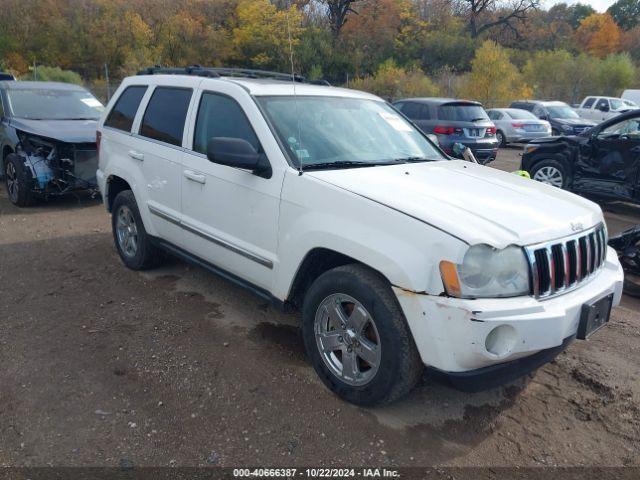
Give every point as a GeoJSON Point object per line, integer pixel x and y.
{"type": "Point", "coordinates": [487, 272]}
{"type": "Point", "coordinates": [530, 148]}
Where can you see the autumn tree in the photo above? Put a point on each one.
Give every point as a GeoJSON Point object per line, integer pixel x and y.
{"type": "Point", "coordinates": [393, 82]}
{"type": "Point", "coordinates": [626, 13]}
{"type": "Point", "coordinates": [494, 80]}
{"type": "Point", "coordinates": [615, 73]}
{"type": "Point", "coordinates": [263, 35]}
{"type": "Point", "coordinates": [598, 35]}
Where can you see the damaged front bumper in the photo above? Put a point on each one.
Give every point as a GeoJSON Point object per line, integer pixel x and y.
{"type": "Point", "coordinates": [459, 335]}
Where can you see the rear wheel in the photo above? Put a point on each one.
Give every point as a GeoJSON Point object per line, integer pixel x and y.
{"type": "Point", "coordinates": [18, 182]}
{"type": "Point", "coordinates": [134, 245]}
{"type": "Point", "coordinates": [357, 338]}
{"type": "Point", "coordinates": [550, 172]}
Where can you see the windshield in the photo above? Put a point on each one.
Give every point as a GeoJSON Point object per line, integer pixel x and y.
{"type": "Point", "coordinates": [462, 113]}
{"type": "Point", "coordinates": [563, 111]}
{"type": "Point", "coordinates": [51, 104]}
{"type": "Point", "coordinates": [332, 130]}
{"type": "Point", "coordinates": [630, 103]}
{"type": "Point", "coordinates": [616, 104]}
{"type": "Point", "coordinates": [521, 115]}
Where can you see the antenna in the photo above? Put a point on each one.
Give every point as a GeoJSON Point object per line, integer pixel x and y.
{"type": "Point", "coordinates": [295, 97]}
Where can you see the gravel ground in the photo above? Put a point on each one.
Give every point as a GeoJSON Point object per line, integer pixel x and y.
{"type": "Point", "coordinates": [102, 366]}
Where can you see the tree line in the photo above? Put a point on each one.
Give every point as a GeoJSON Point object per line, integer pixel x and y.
{"type": "Point", "coordinates": [490, 50]}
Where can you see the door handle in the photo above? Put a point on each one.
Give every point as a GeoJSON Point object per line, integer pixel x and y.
{"type": "Point", "coordinates": [195, 177]}
{"type": "Point", "coordinates": [136, 155]}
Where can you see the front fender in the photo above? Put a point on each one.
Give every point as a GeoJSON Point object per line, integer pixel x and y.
{"type": "Point", "coordinates": [315, 214]}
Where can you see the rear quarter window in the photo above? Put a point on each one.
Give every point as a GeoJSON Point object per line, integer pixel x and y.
{"type": "Point", "coordinates": [166, 113]}
{"type": "Point", "coordinates": [124, 111]}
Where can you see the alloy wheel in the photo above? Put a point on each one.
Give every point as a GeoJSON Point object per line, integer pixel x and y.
{"type": "Point", "coordinates": [347, 339]}
{"type": "Point", "coordinates": [127, 231]}
{"type": "Point", "coordinates": [550, 176]}
{"type": "Point", "coordinates": [12, 182]}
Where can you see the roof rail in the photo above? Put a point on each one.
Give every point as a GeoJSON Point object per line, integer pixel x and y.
{"type": "Point", "coordinates": [216, 72]}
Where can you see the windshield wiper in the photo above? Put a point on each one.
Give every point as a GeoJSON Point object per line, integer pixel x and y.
{"type": "Point", "coordinates": [345, 164]}
{"type": "Point", "coordinates": [412, 159]}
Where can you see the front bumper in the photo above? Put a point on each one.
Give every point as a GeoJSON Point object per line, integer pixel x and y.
{"type": "Point", "coordinates": [452, 334]}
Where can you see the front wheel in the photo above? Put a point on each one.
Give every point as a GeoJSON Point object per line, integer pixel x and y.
{"type": "Point", "coordinates": [18, 182]}
{"type": "Point", "coordinates": [357, 338]}
{"type": "Point", "coordinates": [550, 172]}
{"type": "Point", "coordinates": [502, 140]}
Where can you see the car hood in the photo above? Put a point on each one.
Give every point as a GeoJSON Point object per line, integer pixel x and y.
{"type": "Point", "coordinates": [70, 131]}
{"type": "Point", "coordinates": [574, 122]}
{"type": "Point", "coordinates": [473, 203]}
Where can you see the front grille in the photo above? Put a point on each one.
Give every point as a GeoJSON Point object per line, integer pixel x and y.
{"type": "Point", "coordinates": [562, 265]}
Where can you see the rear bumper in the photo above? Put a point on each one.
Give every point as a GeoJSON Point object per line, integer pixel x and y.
{"type": "Point", "coordinates": [453, 335]}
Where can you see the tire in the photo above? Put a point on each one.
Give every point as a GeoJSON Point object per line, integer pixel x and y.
{"type": "Point", "coordinates": [555, 133]}
{"type": "Point", "coordinates": [502, 140]}
{"type": "Point", "coordinates": [546, 171]}
{"type": "Point", "coordinates": [134, 245]}
{"type": "Point", "coordinates": [18, 181]}
{"type": "Point", "coordinates": [364, 300]}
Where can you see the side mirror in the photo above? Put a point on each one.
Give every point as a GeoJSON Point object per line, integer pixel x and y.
{"type": "Point", "coordinates": [603, 108]}
{"type": "Point", "coordinates": [238, 153]}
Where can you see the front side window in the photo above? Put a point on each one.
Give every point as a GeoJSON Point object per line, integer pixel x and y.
{"type": "Point", "coordinates": [166, 113]}
{"type": "Point", "coordinates": [42, 103]}
{"type": "Point", "coordinates": [327, 131]}
{"type": "Point", "coordinates": [221, 116]}
{"type": "Point", "coordinates": [602, 104]}
{"type": "Point", "coordinates": [495, 115]}
{"type": "Point", "coordinates": [124, 111]}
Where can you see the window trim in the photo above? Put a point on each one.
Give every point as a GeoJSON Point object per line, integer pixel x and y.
{"type": "Point", "coordinates": [133, 121]}
{"type": "Point", "coordinates": [204, 92]}
{"type": "Point", "coordinates": [137, 133]}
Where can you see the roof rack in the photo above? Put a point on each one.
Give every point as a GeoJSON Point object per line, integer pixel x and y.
{"type": "Point", "coordinates": [216, 72]}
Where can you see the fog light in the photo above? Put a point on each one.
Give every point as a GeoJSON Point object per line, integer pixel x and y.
{"type": "Point", "coordinates": [501, 340]}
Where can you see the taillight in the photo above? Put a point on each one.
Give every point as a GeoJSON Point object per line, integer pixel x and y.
{"type": "Point", "coordinates": [491, 130]}
{"type": "Point", "coordinates": [98, 138]}
{"type": "Point", "coordinates": [441, 130]}
{"type": "Point", "coordinates": [517, 125]}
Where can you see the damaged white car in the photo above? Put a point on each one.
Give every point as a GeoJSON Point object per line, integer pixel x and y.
{"type": "Point", "coordinates": [329, 201]}
{"type": "Point", "coordinates": [47, 139]}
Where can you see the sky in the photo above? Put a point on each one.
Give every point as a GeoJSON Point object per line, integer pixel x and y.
{"type": "Point", "coordinates": [599, 5]}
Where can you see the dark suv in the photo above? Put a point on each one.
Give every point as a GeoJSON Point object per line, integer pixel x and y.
{"type": "Point", "coordinates": [454, 121]}
{"type": "Point", "coordinates": [563, 119]}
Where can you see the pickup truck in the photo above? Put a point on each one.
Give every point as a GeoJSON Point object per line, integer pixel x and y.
{"type": "Point", "coordinates": [600, 109]}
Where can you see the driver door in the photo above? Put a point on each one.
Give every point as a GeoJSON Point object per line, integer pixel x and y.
{"type": "Point", "coordinates": [608, 163]}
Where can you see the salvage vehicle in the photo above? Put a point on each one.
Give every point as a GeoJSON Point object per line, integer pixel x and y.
{"type": "Point", "coordinates": [600, 109]}
{"type": "Point", "coordinates": [603, 162]}
{"type": "Point", "coordinates": [517, 126]}
{"type": "Point", "coordinates": [328, 201]}
{"type": "Point", "coordinates": [563, 119]}
{"type": "Point", "coordinates": [454, 121]}
{"type": "Point", "coordinates": [47, 139]}
{"type": "Point", "coordinates": [627, 244]}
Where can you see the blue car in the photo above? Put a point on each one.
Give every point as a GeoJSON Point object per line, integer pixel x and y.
{"type": "Point", "coordinates": [47, 139]}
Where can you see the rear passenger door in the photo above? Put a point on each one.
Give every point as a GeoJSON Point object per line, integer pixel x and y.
{"type": "Point", "coordinates": [230, 216]}
{"type": "Point", "coordinates": [158, 152]}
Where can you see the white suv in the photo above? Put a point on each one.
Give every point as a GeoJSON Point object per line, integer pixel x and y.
{"type": "Point", "coordinates": [330, 201]}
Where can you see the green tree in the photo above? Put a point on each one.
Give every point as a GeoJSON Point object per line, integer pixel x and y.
{"type": "Point", "coordinates": [615, 74]}
{"type": "Point", "coordinates": [626, 13]}
{"type": "Point", "coordinates": [56, 74]}
{"type": "Point", "coordinates": [547, 74]}
{"type": "Point", "coordinates": [392, 82]}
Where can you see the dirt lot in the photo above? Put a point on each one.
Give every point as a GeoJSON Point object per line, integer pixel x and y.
{"type": "Point", "coordinates": [100, 365]}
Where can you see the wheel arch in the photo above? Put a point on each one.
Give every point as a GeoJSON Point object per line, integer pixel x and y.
{"type": "Point", "coordinates": [316, 262]}
{"type": "Point", "coordinates": [114, 186]}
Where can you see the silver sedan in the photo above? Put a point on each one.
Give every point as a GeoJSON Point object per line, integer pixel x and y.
{"type": "Point", "coordinates": [517, 126]}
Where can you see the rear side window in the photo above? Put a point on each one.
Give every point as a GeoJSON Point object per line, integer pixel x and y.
{"type": "Point", "coordinates": [221, 116]}
{"type": "Point", "coordinates": [416, 111]}
{"type": "Point", "coordinates": [589, 102]}
{"type": "Point", "coordinates": [166, 114]}
{"type": "Point", "coordinates": [124, 111]}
